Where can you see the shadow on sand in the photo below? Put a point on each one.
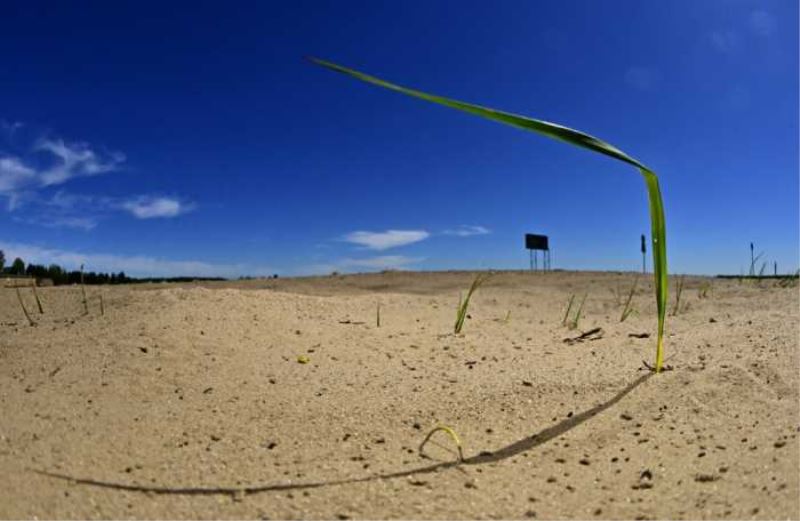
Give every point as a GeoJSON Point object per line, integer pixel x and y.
{"type": "Point", "coordinates": [509, 451]}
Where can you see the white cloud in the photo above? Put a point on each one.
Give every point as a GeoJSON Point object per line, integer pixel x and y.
{"type": "Point", "coordinates": [68, 161]}
{"type": "Point", "coordinates": [381, 262]}
{"type": "Point", "coordinates": [15, 175]}
{"type": "Point", "coordinates": [642, 78]}
{"type": "Point", "coordinates": [146, 207]}
{"type": "Point", "coordinates": [466, 230]}
{"type": "Point", "coordinates": [75, 160]}
{"type": "Point", "coordinates": [385, 240]}
{"type": "Point", "coordinates": [762, 23]}
{"type": "Point", "coordinates": [85, 223]}
{"type": "Point", "coordinates": [136, 265]}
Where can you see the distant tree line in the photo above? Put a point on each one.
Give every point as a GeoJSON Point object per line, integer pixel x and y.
{"type": "Point", "coordinates": [60, 276]}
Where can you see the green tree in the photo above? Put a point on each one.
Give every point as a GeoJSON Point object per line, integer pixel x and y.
{"type": "Point", "coordinates": [2, 260]}
{"type": "Point", "coordinates": [18, 267]}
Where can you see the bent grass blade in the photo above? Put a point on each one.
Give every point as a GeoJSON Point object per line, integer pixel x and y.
{"type": "Point", "coordinates": [573, 137]}
{"type": "Point", "coordinates": [450, 432]}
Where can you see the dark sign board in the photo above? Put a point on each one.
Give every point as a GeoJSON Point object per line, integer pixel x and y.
{"type": "Point", "coordinates": [536, 242]}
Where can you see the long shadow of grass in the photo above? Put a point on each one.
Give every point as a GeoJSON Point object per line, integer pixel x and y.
{"type": "Point", "coordinates": [503, 453]}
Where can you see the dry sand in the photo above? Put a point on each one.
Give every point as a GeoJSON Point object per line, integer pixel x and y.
{"type": "Point", "coordinates": [198, 387]}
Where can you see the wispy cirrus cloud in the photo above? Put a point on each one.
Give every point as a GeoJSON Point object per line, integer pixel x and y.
{"type": "Point", "coordinates": [467, 230]}
{"type": "Point", "coordinates": [28, 178]}
{"type": "Point", "coordinates": [133, 265]}
{"type": "Point", "coordinates": [148, 207]}
{"type": "Point", "coordinates": [61, 162]}
{"type": "Point", "coordinates": [380, 241]}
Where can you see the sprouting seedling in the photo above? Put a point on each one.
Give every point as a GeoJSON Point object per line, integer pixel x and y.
{"type": "Point", "coordinates": [704, 289]}
{"type": "Point", "coordinates": [576, 138]}
{"type": "Point", "coordinates": [24, 311]}
{"type": "Point", "coordinates": [508, 317]}
{"type": "Point", "coordinates": [573, 324]}
{"type": "Point", "coordinates": [36, 296]}
{"type": "Point", "coordinates": [83, 291]}
{"type": "Point", "coordinates": [450, 432]}
{"type": "Point", "coordinates": [378, 315]}
{"type": "Point", "coordinates": [463, 305]}
{"type": "Point", "coordinates": [569, 308]}
{"type": "Point", "coordinates": [102, 306]}
{"type": "Point", "coordinates": [629, 309]}
{"type": "Point", "coordinates": [678, 292]}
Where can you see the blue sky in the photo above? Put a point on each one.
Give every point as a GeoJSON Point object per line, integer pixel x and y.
{"type": "Point", "coordinates": [167, 139]}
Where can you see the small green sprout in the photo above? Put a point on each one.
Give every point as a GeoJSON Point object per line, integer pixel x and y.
{"type": "Point", "coordinates": [36, 296]}
{"type": "Point", "coordinates": [24, 311]}
{"type": "Point", "coordinates": [569, 308]}
{"type": "Point", "coordinates": [573, 323]}
{"type": "Point", "coordinates": [83, 291]}
{"type": "Point", "coordinates": [679, 290]}
{"type": "Point", "coordinates": [463, 305]}
{"type": "Point", "coordinates": [629, 309]}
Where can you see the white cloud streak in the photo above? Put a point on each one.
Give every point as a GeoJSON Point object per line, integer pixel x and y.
{"type": "Point", "coordinates": [54, 162]}
{"type": "Point", "coordinates": [147, 207]}
{"type": "Point", "coordinates": [466, 230]}
{"type": "Point", "coordinates": [135, 265]}
{"type": "Point", "coordinates": [380, 241]}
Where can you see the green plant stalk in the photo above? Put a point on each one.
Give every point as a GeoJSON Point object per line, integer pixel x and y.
{"type": "Point", "coordinates": [464, 305]}
{"type": "Point", "coordinates": [678, 294]}
{"type": "Point", "coordinates": [102, 306]}
{"type": "Point", "coordinates": [36, 296]}
{"type": "Point", "coordinates": [577, 320]}
{"type": "Point", "coordinates": [83, 291]}
{"type": "Point", "coordinates": [627, 310]}
{"type": "Point", "coordinates": [574, 137]}
{"type": "Point", "coordinates": [569, 308]}
{"type": "Point", "coordinates": [378, 315]}
{"type": "Point", "coordinates": [450, 432]}
{"type": "Point", "coordinates": [24, 311]}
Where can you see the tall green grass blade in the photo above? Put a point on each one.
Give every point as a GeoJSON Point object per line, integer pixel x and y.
{"type": "Point", "coordinates": [574, 137]}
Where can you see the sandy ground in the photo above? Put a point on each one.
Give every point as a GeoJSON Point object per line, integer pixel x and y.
{"type": "Point", "coordinates": [198, 389]}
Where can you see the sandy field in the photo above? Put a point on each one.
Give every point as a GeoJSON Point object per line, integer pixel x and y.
{"type": "Point", "coordinates": [188, 401]}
